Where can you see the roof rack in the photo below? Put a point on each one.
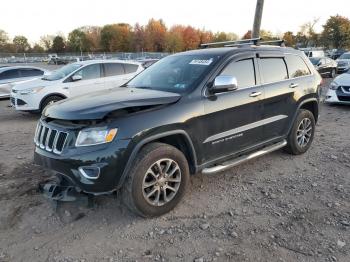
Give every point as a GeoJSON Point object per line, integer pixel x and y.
{"type": "Point", "coordinates": [253, 41]}
{"type": "Point", "coordinates": [243, 42]}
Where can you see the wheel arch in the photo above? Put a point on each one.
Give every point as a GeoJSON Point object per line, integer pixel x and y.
{"type": "Point", "coordinates": [177, 138]}
{"type": "Point", "coordinates": [51, 94]}
{"type": "Point", "coordinates": [311, 105]}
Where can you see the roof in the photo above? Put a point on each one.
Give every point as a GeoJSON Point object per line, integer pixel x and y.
{"type": "Point", "coordinates": [89, 62]}
{"type": "Point", "coordinates": [221, 51]}
{"type": "Point", "coordinates": [5, 68]}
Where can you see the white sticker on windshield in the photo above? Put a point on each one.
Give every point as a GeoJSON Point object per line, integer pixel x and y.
{"type": "Point", "coordinates": [201, 61]}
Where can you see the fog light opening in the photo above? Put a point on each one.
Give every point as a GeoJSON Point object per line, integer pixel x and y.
{"type": "Point", "coordinates": [89, 172]}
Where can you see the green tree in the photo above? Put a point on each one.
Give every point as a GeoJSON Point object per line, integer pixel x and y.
{"type": "Point", "coordinates": [289, 38]}
{"type": "Point", "coordinates": [336, 32]}
{"type": "Point", "coordinates": [77, 41]}
{"type": "Point", "coordinates": [46, 41]}
{"type": "Point", "coordinates": [37, 48]}
{"type": "Point", "coordinates": [58, 44]}
{"type": "Point", "coordinates": [21, 43]}
{"type": "Point", "coordinates": [116, 37]}
{"type": "Point", "coordinates": [174, 39]}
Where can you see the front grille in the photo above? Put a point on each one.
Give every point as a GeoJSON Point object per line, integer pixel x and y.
{"type": "Point", "coordinates": [50, 139]}
{"type": "Point", "coordinates": [344, 98]}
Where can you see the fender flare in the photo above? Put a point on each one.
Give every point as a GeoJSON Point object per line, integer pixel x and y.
{"type": "Point", "coordinates": [51, 94]}
{"type": "Point", "coordinates": [149, 139]}
{"type": "Point", "coordinates": [303, 102]}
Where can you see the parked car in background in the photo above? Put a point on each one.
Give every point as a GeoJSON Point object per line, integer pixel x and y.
{"type": "Point", "coordinates": [325, 66]}
{"type": "Point", "coordinates": [339, 90]}
{"type": "Point", "coordinates": [72, 80]}
{"type": "Point", "coordinates": [335, 53]}
{"type": "Point", "coordinates": [10, 75]}
{"type": "Point", "coordinates": [313, 52]}
{"type": "Point", "coordinates": [343, 63]}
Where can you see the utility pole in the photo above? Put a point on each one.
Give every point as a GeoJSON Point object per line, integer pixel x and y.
{"type": "Point", "coordinates": [257, 18]}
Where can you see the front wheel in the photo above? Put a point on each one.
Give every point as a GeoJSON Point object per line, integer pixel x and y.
{"type": "Point", "coordinates": [48, 101]}
{"type": "Point", "coordinates": [157, 182]}
{"type": "Point", "coordinates": [302, 133]}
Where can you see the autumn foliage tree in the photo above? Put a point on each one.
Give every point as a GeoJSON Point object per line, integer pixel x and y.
{"type": "Point", "coordinates": [336, 32]}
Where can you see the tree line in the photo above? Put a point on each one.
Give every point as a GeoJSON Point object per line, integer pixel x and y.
{"type": "Point", "coordinates": [156, 37]}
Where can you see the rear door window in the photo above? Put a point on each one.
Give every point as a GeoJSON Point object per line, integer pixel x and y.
{"type": "Point", "coordinates": [28, 72]}
{"type": "Point", "coordinates": [273, 69]}
{"type": "Point", "coordinates": [90, 72]}
{"type": "Point", "coordinates": [243, 71]}
{"type": "Point", "coordinates": [10, 74]}
{"type": "Point", "coordinates": [113, 69]}
{"type": "Point", "coordinates": [296, 66]}
{"type": "Point", "coordinates": [130, 68]}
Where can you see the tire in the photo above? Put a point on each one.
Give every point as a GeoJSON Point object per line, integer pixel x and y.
{"type": "Point", "coordinates": [49, 100]}
{"type": "Point", "coordinates": [296, 146]}
{"type": "Point", "coordinates": [333, 73]}
{"type": "Point", "coordinates": [135, 190]}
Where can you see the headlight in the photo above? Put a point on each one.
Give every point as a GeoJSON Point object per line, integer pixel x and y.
{"type": "Point", "coordinates": [333, 86]}
{"type": "Point", "coordinates": [95, 136]}
{"type": "Point", "coordinates": [30, 90]}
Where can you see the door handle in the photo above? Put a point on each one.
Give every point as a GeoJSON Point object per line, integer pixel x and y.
{"type": "Point", "coordinates": [255, 94]}
{"type": "Point", "coordinates": [66, 87]}
{"type": "Point", "coordinates": [292, 85]}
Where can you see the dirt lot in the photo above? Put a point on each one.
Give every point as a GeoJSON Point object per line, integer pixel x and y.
{"type": "Point", "coordinates": [275, 208]}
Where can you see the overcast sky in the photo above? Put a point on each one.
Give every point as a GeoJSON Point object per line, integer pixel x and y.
{"type": "Point", "coordinates": [34, 18]}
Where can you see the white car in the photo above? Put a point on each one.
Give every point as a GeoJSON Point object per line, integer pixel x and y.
{"type": "Point", "coordinates": [72, 80]}
{"type": "Point", "coordinates": [339, 90]}
{"type": "Point", "coordinates": [343, 62]}
{"type": "Point", "coordinates": [10, 75]}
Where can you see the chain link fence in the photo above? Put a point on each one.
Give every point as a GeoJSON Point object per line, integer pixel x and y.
{"type": "Point", "coordinates": [10, 58]}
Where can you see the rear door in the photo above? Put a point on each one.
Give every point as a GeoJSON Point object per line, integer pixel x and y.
{"type": "Point", "coordinates": [91, 80]}
{"type": "Point", "coordinates": [280, 84]}
{"type": "Point", "coordinates": [232, 119]}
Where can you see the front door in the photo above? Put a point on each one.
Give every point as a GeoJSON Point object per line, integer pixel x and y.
{"type": "Point", "coordinates": [233, 119]}
{"type": "Point", "coordinates": [90, 81]}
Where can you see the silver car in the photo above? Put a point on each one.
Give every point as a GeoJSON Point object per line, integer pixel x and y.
{"type": "Point", "coordinates": [10, 75]}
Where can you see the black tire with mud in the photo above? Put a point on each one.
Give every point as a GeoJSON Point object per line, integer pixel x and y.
{"type": "Point", "coordinates": [292, 144]}
{"type": "Point", "coordinates": [132, 194]}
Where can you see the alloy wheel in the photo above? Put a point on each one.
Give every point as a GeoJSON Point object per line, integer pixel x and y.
{"type": "Point", "coordinates": [304, 132]}
{"type": "Point", "coordinates": [161, 182]}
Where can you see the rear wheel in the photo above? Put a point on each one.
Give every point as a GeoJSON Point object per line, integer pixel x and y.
{"type": "Point", "coordinates": [302, 133]}
{"type": "Point", "coordinates": [48, 101]}
{"type": "Point", "coordinates": [157, 182]}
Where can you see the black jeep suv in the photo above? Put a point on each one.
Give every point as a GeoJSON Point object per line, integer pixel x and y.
{"type": "Point", "coordinates": [203, 110]}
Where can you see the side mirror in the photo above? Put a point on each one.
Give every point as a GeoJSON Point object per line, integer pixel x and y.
{"type": "Point", "coordinates": [224, 84]}
{"type": "Point", "coordinates": [76, 78]}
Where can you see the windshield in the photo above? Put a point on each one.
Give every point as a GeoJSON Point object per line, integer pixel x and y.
{"type": "Point", "coordinates": [314, 61]}
{"type": "Point", "coordinates": [177, 73]}
{"type": "Point", "coordinates": [345, 56]}
{"type": "Point", "coordinates": [62, 72]}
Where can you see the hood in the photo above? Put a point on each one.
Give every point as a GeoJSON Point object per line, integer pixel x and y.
{"type": "Point", "coordinates": [32, 83]}
{"type": "Point", "coordinates": [97, 105]}
{"type": "Point", "coordinates": [343, 79]}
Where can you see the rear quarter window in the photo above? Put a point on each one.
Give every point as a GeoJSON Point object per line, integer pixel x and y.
{"type": "Point", "coordinates": [9, 74]}
{"type": "Point", "coordinates": [113, 69]}
{"type": "Point", "coordinates": [30, 72]}
{"type": "Point", "coordinates": [296, 66]}
{"type": "Point", "coordinates": [273, 69]}
{"type": "Point", "coordinates": [130, 68]}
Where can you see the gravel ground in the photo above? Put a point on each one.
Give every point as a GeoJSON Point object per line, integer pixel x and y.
{"type": "Point", "coordinates": [275, 208]}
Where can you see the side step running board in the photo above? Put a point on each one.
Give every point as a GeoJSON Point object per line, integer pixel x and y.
{"type": "Point", "coordinates": [231, 163]}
